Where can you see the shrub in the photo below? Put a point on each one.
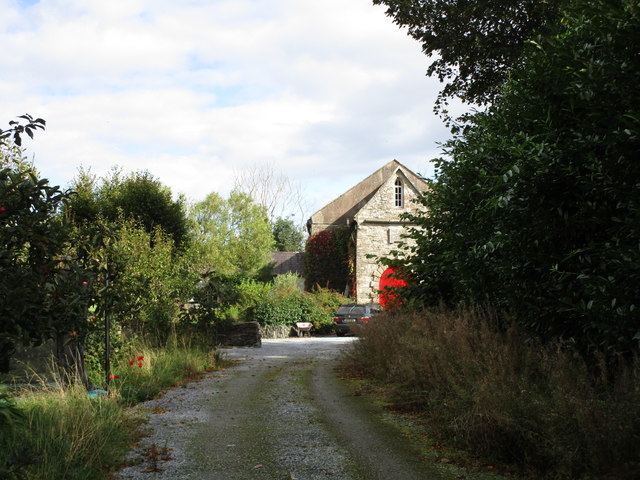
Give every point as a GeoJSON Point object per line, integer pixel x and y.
{"type": "Point", "coordinates": [282, 310]}
{"type": "Point", "coordinates": [287, 306]}
{"type": "Point", "coordinates": [489, 390]}
{"type": "Point", "coordinates": [535, 208]}
{"type": "Point", "coordinates": [325, 304]}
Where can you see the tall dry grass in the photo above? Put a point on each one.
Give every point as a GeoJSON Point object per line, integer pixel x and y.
{"type": "Point", "coordinates": [497, 393]}
{"type": "Point", "coordinates": [65, 434]}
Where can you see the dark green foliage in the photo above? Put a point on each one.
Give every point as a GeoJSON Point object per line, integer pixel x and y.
{"type": "Point", "coordinates": [138, 196]}
{"type": "Point", "coordinates": [327, 260]}
{"type": "Point", "coordinates": [125, 235]}
{"type": "Point", "coordinates": [537, 209]}
{"type": "Point", "coordinates": [38, 291]}
{"type": "Point", "coordinates": [283, 310]}
{"type": "Point", "coordinates": [288, 237]}
{"type": "Point", "coordinates": [212, 298]}
{"type": "Point", "coordinates": [475, 43]}
{"type": "Point", "coordinates": [289, 306]}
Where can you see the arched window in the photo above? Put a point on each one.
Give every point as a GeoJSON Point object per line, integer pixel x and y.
{"type": "Point", "coordinates": [399, 193]}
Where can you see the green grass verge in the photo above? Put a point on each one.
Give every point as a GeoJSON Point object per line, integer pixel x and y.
{"type": "Point", "coordinates": [64, 434]}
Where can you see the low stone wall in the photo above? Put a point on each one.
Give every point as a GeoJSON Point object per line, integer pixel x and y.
{"type": "Point", "coordinates": [32, 364]}
{"type": "Point", "coordinates": [277, 331]}
{"type": "Point", "coordinates": [246, 334]}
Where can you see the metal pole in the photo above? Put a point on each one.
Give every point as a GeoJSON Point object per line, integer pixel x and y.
{"type": "Point", "coordinates": [107, 332]}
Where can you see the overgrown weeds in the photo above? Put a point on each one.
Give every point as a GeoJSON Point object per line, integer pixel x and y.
{"type": "Point", "coordinates": [142, 371]}
{"type": "Point", "coordinates": [496, 392]}
{"type": "Point", "coordinates": [65, 434]}
{"type": "Point", "coordinates": [61, 433]}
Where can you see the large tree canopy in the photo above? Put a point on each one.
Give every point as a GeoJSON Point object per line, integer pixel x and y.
{"type": "Point", "coordinates": [475, 42]}
{"type": "Point", "coordinates": [138, 196]}
{"type": "Point", "coordinates": [536, 210]}
{"type": "Point", "coordinates": [234, 234]}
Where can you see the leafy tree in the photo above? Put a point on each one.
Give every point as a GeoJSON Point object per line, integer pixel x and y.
{"type": "Point", "coordinates": [138, 196]}
{"type": "Point", "coordinates": [42, 293]}
{"type": "Point", "coordinates": [536, 210]}
{"type": "Point", "coordinates": [476, 43]}
{"type": "Point", "coordinates": [137, 277]}
{"type": "Point", "coordinates": [31, 239]}
{"type": "Point", "coordinates": [233, 235]}
{"type": "Point", "coordinates": [287, 236]}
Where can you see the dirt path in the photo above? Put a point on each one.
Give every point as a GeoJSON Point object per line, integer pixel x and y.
{"type": "Point", "coordinates": [280, 414]}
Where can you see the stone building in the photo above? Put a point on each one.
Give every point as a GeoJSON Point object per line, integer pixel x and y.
{"type": "Point", "coordinates": [372, 210]}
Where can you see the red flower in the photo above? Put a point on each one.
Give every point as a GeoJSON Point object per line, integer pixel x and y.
{"type": "Point", "coordinates": [85, 283]}
{"type": "Point", "coordinates": [140, 364]}
{"type": "Point", "coordinates": [140, 358]}
{"type": "Point", "coordinates": [130, 362]}
{"type": "Point", "coordinates": [3, 209]}
{"type": "Point", "coordinates": [111, 377]}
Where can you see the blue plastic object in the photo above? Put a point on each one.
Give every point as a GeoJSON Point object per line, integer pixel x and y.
{"type": "Point", "coordinates": [97, 393]}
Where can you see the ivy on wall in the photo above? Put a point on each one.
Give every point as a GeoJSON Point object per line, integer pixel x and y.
{"type": "Point", "coordinates": [328, 260]}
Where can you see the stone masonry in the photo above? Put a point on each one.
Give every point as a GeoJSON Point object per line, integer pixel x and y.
{"type": "Point", "coordinates": [371, 209]}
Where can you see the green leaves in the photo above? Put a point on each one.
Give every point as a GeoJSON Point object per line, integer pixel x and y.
{"type": "Point", "coordinates": [537, 209]}
{"type": "Point", "coordinates": [475, 44]}
{"type": "Point", "coordinates": [234, 235]}
{"type": "Point", "coordinates": [32, 240]}
{"type": "Point", "coordinates": [287, 236]}
{"type": "Point", "coordinates": [137, 196]}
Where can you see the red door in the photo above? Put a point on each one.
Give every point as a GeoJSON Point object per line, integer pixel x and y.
{"type": "Point", "coordinates": [389, 281]}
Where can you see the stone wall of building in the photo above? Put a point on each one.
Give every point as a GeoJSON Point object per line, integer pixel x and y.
{"type": "Point", "coordinates": [379, 232]}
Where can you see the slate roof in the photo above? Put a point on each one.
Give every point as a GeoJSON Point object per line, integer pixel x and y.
{"type": "Point", "coordinates": [341, 210]}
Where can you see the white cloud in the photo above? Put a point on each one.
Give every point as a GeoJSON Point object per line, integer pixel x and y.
{"type": "Point", "coordinates": [193, 91]}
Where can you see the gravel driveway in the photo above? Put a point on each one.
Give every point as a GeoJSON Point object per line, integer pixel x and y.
{"type": "Point", "coordinates": [281, 413]}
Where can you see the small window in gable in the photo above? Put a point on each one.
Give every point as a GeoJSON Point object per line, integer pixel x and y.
{"type": "Point", "coordinates": [399, 193]}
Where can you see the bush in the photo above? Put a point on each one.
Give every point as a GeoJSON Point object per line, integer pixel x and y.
{"type": "Point", "coordinates": [325, 304]}
{"type": "Point", "coordinates": [32, 239]}
{"type": "Point", "coordinates": [282, 310]}
{"type": "Point", "coordinates": [536, 207]}
{"type": "Point", "coordinates": [490, 391]}
{"type": "Point", "coordinates": [287, 306]}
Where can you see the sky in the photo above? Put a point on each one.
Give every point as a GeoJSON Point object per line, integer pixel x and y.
{"type": "Point", "coordinates": [324, 92]}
